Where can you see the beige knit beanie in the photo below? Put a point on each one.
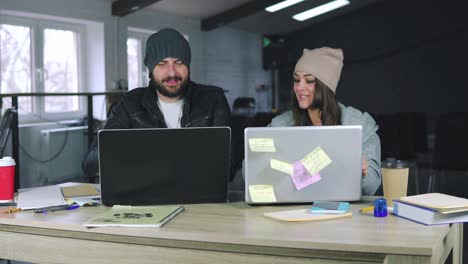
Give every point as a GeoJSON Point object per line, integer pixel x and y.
{"type": "Point", "coordinates": [324, 63]}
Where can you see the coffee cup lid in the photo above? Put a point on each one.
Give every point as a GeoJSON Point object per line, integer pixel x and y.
{"type": "Point", "coordinates": [7, 161]}
{"type": "Point", "coordinates": [394, 164]}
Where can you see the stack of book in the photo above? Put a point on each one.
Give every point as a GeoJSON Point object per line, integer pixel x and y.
{"type": "Point", "coordinates": [432, 208]}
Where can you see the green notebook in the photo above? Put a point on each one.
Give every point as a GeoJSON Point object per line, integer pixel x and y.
{"type": "Point", "coordinates": [132, 216]}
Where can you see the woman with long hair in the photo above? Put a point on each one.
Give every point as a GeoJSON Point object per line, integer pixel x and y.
{"type": "Point", "coordinates": [316, 77]}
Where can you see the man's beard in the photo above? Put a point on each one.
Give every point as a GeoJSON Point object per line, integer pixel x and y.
{"type": "Point", "coordinates": [164, 91]}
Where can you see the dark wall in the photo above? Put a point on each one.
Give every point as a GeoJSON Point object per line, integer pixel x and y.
{"type": "Point", "coordinates": [400, 56]}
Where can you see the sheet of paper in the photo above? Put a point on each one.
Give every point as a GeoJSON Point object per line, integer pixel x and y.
{"type": "Point", "coordinates": [281, 166]}
{"type": "Point", "coordinates": [316, 160]}
{"type": "Point", "coordinates": [300, 215]}
{"type": "Point", "coordinates": [39, 197]}
{"type": "Point", "coordinates": [262, 193]}
{"type": "Point", "coordinates": [262, 145]}
{"type": "Point", "coordinates": [301, 177]}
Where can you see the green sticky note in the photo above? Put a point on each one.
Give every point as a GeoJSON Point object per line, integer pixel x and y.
{"type": "Point", "coordinates": [282, 166]}
{"type": "Point", "coordinates": [262, 193]}
{"type": "Point", "coordinates": [262, 145]}
{"type": "Point", "coordinates": [316, 160]}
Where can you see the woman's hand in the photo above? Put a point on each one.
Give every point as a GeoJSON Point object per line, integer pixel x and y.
{"type": "Point", "coordinates": [364, 166]}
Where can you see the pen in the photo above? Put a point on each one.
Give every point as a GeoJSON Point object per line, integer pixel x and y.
{"type": "Point", "coordinates": [367, 209]}
{"type": "Point", "coordinates": [13, 210]}
{"type": "Point", "coordinates": [73, 207]}
{"type": "Point", "coordinates": [52, 208]}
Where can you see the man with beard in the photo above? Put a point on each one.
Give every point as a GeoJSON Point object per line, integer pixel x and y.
{"type": "Point", "coordinates": [171, 100]}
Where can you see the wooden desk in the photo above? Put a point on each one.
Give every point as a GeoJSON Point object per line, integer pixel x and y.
{"type": "Point", "coordinates": [226, 233]}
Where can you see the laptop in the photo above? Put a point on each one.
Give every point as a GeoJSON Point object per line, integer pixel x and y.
{"type": "Point", "coordinates": [299, 154]}
{"type": "Point", "coordinates": [164, 166]}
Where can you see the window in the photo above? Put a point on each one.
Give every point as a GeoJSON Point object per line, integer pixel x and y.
{"type": "Point", "coordinates": [41, 56]}
{"type": "Point", "coordinates": [60, 69]}
{"type": "Point", "coordinates": [137, 71]}
{"type": "Point", "coordinates": [134, 62]}
{"type": "Point", "coordinates": [15, 62]}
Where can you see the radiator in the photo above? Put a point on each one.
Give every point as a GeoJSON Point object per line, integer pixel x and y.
{"type": "Point", "coordinates": [72, 142]}
{"type": "Point", "coordinates": [40, 142]}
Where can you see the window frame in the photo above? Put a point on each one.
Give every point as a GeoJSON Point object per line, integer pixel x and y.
{"type": "Point", "coordinates": [37, 27]}
{"type": "Point", "coordinates": [142, 35]}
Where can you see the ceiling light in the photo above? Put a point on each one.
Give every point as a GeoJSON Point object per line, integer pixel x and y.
{"type": "Point", "coordinates": [282, 5]}
{"type": "Point", "coordinates": [317, 11]}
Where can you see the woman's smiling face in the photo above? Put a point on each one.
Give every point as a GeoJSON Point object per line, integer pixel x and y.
{"type": "Point", "coordinates": [304, 88]}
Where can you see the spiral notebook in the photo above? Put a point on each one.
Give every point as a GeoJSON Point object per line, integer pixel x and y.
{"type": "Point", "coordinates": [82, 191]}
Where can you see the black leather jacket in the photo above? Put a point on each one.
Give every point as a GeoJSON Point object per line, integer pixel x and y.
{"type": "Point", "coordinates": [204, 106]}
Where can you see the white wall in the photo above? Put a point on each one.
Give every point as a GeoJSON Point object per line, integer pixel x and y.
{"type": "Point", "coordinates": [225, 57]}
{"type": "Point", "coordinates": [233, 61]}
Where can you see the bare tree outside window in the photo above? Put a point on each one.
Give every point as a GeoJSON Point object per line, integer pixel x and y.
{"type": "Point", "coordinates": [15, 63]}
{"type": "Point", "coordinates": [134, 61]}
{"type": "Point", "coordinates": [61, 69]}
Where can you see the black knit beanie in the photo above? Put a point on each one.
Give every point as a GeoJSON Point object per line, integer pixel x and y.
{"type": "Point", "coordinates": [166, 43]}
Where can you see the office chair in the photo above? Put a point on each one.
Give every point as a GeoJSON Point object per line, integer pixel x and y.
{"type": "Point", "coordinates": [403, 136]}
{"type": "Point", "coordinates": [451, 144]}
{"type": "Point", "coordinates": [243, 106]}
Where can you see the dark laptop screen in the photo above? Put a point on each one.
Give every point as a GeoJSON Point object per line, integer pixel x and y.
{"type": "Point", "coordinates": [164, 166]}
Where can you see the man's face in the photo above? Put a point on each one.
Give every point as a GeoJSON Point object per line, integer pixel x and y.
{"type": "Point", "coordinates": [171, 76]}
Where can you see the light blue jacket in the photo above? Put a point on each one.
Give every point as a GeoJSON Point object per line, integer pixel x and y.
{"type": "Point", "coordinates": [370, 142]}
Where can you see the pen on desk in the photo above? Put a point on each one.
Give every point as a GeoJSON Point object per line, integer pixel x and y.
{"type": "Point", "coordinates": [52, 208]}
{"type": "Point", "coordinates": [14, 210]}
{"type": "Point", "coordinates": [367, 209]}
{"type": "Point", "coordinates": [73, 207]}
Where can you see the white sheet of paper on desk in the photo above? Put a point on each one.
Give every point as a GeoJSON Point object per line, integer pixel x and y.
{"type": "Point", "coordinates": [40, 197]}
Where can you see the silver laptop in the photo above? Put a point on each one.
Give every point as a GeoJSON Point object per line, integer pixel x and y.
{"type": "Point", "coordinates": [303, 164]}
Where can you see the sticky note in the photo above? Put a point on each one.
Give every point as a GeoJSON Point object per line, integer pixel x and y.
{"type": "Point", "coordinates": [262, 193]}
{"type": "Point", "coordinates": [301, 176]}
{"type": "Point", "coordinates": [316, 160]}
{"type": "Point", "coordinates": [281, 166]}
{"type": "Point", "coordinates": [262, 145]}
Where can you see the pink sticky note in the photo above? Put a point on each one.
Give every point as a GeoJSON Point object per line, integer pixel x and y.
{"type": "Point", "coordinates": [301, 176]}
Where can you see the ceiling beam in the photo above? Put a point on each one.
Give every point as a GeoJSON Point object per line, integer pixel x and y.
{"type": "Point", "coordinates": [124, 7]}
{"type": "Point", "coordinates": [235, 13]}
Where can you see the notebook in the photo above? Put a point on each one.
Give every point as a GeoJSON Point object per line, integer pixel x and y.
{"type": "Point", "coordinates": [303, 164]}
{"type": "Point", "coordinates": [82, 191]}
{"type": "Point", "coordinates": [164, 166]}
{"type": "Point", "coordinates": [443, 203]}
{"type": "Point", "coordinates": [130, 216]}
{"type": "Point", "coordinates": [427, 215]}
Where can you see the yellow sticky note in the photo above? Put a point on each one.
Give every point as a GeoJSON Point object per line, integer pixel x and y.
{"type": "Point", "coordinates": [262, 193]}
{"type": "Point", "coordinates": [262, 145]}
{"type": "Point", "coordinates": [282, 166]}
{"type": "Point", "coordinates": [316, 160]}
